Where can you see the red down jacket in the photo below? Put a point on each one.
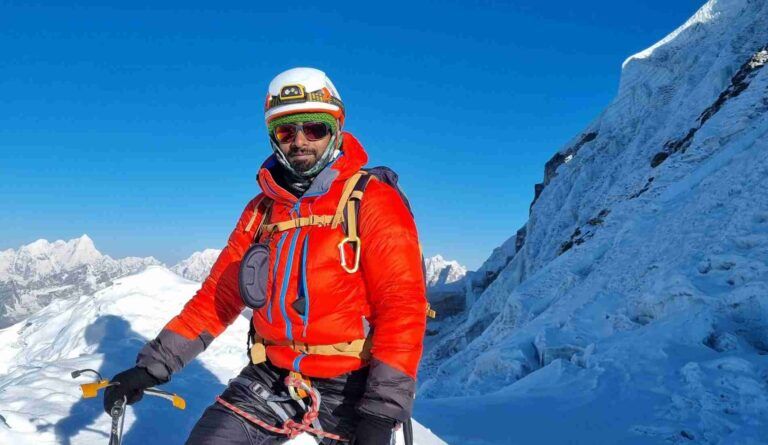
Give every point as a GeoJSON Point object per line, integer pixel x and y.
{"type": "Point", "coordinates": [387, 293]}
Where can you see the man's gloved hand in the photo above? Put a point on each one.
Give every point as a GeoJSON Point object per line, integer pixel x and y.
{"type": "Point", "coordinates": [132, 383]}
{"type": "Point", "coordinates": [373, 430]}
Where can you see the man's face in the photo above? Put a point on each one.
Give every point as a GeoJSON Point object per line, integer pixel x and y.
{"type": "Point", "coordinates": [302, 153]}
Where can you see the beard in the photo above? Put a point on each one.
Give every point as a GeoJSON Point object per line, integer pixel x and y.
{"type": "Point", "coordinates": [302, 162]}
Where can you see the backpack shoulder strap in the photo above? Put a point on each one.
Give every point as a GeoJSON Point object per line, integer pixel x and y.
{"type": "Point", "coordinates": [263, 208]}
{"type": "Point", "coordinates": [346, 214]}
{"type": "Point", "coordinates": [346, 195]}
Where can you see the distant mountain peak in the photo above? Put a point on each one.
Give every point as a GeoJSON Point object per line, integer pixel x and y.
{"type": "Point", "coordinates": [441, 271]}
{"type": "Point", "coordinates": [37, 273]}
{"type": "Point", "coordinates": [197, 266]}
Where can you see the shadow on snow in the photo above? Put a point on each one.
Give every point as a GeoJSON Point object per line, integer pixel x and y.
{"type": "Point", "coordinates": [156, 421]}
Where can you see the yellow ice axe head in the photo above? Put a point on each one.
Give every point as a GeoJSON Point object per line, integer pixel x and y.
{"type": "Point", "coordinates": [91, 390]}
{"type": "Point", "coordinates": [178, 402]}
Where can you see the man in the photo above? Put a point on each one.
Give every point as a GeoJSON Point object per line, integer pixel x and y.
{"type": "Point", "coordinates": [330, 263]}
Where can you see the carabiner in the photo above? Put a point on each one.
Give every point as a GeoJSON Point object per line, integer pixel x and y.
{"type": "Point", "coordinates": [297, 386]}
{"type": "Point", "coordinates": [344, 258]}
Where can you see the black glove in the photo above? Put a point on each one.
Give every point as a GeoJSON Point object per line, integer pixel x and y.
{"type": "Point", "coordinates": [373, 430]}
{"type": "Point", "coordinates": [132, 383]}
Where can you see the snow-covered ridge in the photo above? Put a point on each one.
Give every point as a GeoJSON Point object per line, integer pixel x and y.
{"type": "Point", "coordinates": [705, 14]}
{"type": "Point", "coordinates": [198, 265]}
{"type": "Point", "coordinates": [41, 258]}
{"type": "Point", "coordinates": [631, 306]}
{"type": "Point", "coordinates": [35, 274]}
{"type": "Point", "coordinates": [41, 403]}
{"type": "Point", "coordinates": [440, 272]}
{"type": "Point", "coordinates": [445, 287]}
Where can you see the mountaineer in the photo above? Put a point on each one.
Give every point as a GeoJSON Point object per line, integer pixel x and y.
{"type": "Point", "coordinates": [327, 257]}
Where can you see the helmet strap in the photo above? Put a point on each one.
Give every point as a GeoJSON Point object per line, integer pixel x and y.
{"type": "Point", "coordinates": [330, 153]}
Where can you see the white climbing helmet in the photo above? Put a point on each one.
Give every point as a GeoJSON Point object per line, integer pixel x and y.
{"type": "Point", "coordinates": [302, 90]}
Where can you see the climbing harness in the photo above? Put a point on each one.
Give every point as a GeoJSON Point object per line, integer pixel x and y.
{"type": "Point", "coordinates": [297, 386]}
{"type": "Point", "coordinates": [91, 390]}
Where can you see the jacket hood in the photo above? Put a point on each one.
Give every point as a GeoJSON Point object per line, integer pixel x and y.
{"type": "Point", "coordinates": [352, 158]}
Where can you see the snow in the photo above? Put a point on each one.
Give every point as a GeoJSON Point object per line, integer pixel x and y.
{"type": "Point", "coordinates": [40, 272]}
{"type": "Point", "coordinates": [41, 404]}
{"type": "Point", "coordinates": [198, 265]}
{"type": "Point", "coordinates": [43, 258]}
{"type": "Point", "coordinates": [440, 271]}
{"type": "Point", "coordinates": [633, 305]}
{"type": "Point", "coordinates": [705, 14]}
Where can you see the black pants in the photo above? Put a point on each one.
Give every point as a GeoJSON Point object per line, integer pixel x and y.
{"type": "Point", "coordinates": [220, 426]}
{"type": "Point", "coordinates": [259, 390]}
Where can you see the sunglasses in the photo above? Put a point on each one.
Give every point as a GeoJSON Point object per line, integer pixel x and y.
{"type": "Point", "coordinates": [313, 131]}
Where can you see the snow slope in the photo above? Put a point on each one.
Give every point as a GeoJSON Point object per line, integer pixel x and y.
{"type": "Point", "coordinates": [40, 403]}
{"type": "Point", "coordinates": [633, 305]}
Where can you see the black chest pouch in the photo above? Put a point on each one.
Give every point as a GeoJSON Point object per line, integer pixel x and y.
{"type": "Point", "coordinates": [253, 276]}
{"type": "Point", "coordinates": [254, 267]}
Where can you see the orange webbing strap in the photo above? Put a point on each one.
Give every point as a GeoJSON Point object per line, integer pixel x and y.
{"type": "Point", "coordinates": [349, 187]}
{"type": "Point", "coordinates": [352, 197]}
{"type": "Point", "coordinates": [352, 222]}
{"type": "Point", "coordinates": [334, 220]}
{"type": "Point", "coordinates": [258, 352]}
{"type": "Point", "coordinates": [360, 348]}
{"type": "Point", "coordinates": [313, 220]}
{"type": "Point", "coordinates": [351, 238]}
{"type": "Point", "coordinates": [264, 214]}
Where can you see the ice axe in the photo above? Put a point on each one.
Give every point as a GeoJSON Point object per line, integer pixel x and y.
{"type": "Point", "coordinates": [91, 390]}
{"type": "Point", "coordinates": [407, 428]}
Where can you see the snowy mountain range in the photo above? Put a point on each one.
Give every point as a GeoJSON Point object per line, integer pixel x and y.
{"type": "Point", "coordinates": [198, 265]}
{"type": "Point", "coordinates": [34, 275]}
{"type": "Point", "coordinates": [632, 307]}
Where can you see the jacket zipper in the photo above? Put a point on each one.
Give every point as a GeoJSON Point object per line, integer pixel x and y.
{"type": "Point", "coordinates": [304, 287]}
{"type": "Point", "coordinates": [287, 273]}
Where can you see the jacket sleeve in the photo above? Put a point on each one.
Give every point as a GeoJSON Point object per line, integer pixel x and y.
{"type": "Point", "coordinates": [392, 267]}
{"type": "Point", "coordinates": [214, 307]}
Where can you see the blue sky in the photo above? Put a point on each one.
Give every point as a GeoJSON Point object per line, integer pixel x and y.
{"type": "Point", "coordinates": [142, 125]}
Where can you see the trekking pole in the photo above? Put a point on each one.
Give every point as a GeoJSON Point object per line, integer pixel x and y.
{"type": "Point", "coordinates": [407, 429]}
{"type": "Point", "coordinates": [408, 432]}
{"type": "Point", "coordinates": [91, 390]}
{"type": "Point", "coordinates": [118, 419]}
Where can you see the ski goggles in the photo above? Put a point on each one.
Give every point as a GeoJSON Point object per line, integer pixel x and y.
{"type": "Point", "coordinates": [313, 131]}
